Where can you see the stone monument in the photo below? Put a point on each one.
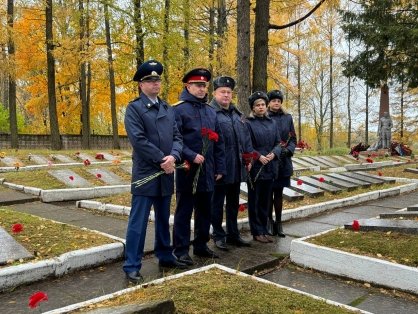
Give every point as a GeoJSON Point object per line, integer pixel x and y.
{"type": "Point", "coordinates": [384, 133]}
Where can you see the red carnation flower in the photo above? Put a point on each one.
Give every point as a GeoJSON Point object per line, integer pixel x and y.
{"type": "Point", "coordinates": [98, 175]}
{"type": "Point", "coordinates": [242, 207]}
{"type": "Point", "coordinates": [369, 160]}
{"type": "Point", "coordinates": [16, 228]}
{"type": "Point", "coordinates": [355, 225]}
{"type": "Point", "coordinates": [71, 178]}
{"type": "Point", "coordinates": [86, 162]}
{"type": "Point", "coordinates": [36, 298]}
{"type": "Point", "coordinates": [321, 179]}
{"type": "Point", "coordinates": [299, 182]}
{"type": "Point", "coordinates": [186, 166]}
{"type": "Point", "coordinates": [99, 156]}
{"type": "Point", "coordinates": [213, 136]}
{"type": "Point", "coordinates": [380, 173]}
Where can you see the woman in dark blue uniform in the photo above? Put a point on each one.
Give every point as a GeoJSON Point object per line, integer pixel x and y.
{"type": "Point", "coordinates": [265, 141]}
{"type": "Point", "coordinates": [287, 133]}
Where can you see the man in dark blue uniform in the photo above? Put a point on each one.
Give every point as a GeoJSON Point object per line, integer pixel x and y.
{"type": "Point", "coordinates": [157, 145]}
{"type": "Point", "coordinates": [237, 141]}
{"type": "Point", "coordinates": [192, 115]}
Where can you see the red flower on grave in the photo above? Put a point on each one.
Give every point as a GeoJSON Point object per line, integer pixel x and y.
{"type": "Point", "coordinates": [98, 175]}
{"type": "Point", "coordinates": [16, 228]}
{"type": "Point", "coordinates": [380, 173]}
{"type": "Point", "coordinates": [321, 179]}
{"type": "Point", "coordinates": [99, 156]}
{"type": "Point", "coordinates": [242, 207]}
{"type": "Point", "coordinates": [355, 225]}
{"type": "Point", "coordinates": [299, 182]}
{"type": "Point", "coordinates": [369, 160]}
{"type": "Point", "coordinates": [87, 162]}
{"type": "Point", "coordinates": [36, 298]}
{"type": "Point", "coordinates": [71, 178]}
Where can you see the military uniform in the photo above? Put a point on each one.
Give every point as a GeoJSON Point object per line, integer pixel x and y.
{"type": "Point", "coordinates": [193, 114]}
{"type": "Point", "coordinates": [237, 141]}
{"type": "Point", "coordinates": [153, 134]}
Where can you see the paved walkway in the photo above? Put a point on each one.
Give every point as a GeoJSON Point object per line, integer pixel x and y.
{"type": "Point", "coordinates": [91, 283]}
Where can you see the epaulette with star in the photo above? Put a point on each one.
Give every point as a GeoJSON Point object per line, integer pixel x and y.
{"type": "Point", "coordinates": [177, 103]}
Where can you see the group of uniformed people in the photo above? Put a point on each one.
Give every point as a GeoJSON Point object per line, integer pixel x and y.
{"type": "Point", "coordinates": [163, 136]}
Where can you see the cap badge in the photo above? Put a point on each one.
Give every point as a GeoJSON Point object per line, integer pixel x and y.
{"type": "Point", "coordinates": [154, 73]}
{"type": "Point", "coordinates": [153, 63]}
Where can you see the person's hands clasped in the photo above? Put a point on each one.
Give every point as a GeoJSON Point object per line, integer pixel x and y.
{"type": "Point", "coordinates": [199, 159]}
{"type": "Point", "coordinates": [168, 164]}
{"type": "Point", "coordinates": [270, 156]}
{"type": "Point", "coordinates": [264, 160]}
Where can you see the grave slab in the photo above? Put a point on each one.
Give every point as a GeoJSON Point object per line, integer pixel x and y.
{"type": "Point", "coordinates": [290, 195]}
{"type": "Point", "coordinates": [332, 161]}
{"type": "Point", "coordinates": [108, 156]}
{"type": "Point", "coordinates": [306, 189]}
{"type": "Point", "coordinates": [70, 178]}
{"type": "Point", "coordinates": [384, 179]}
{"type": "Point", "coordinates": [10, 249]}
{"type": "Point", "coordinates": [351, 180]}
{"type": "Point", "coordinates": [360, 167]}
{"type": "Point", "coordinates": [326, 162]}
{"type": "Point", "coordinates": [345, 159]}
{"type": "Point", "coordinates": [412, 170]}
{"type": "Point", "coordinates": [336, 182]}
{"type": "Point", "coordinates": [401, 215]}
{"type": "Point", "coordinates": [107, 176]}
{"type": "Point", "coordinates": [321, 185]}
{"type": "Point", "coordinates": [64, 159]}
{"type": "Point", "coordinates": [386, 225]}
{"type": "Point", "coordinates": [360, 177]}
{"type": "Point", "coordinates": [40, 160]}
{"type": "Point", "coordinates": [412, 208]}
{"type": "Point", "coordinates": [314, 162]}
{"type": "Point", "coordinates": [84, 156]}
{"type": "Point", "coordinates": [10, 161]}
{"type": "Point", "coordinates": [303, 162]}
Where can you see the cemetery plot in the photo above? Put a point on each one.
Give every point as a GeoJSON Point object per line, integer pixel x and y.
{"type": "Point", "coordinates": [70, 178]}
{"type": "Point", "coordinates": [386, 225]}
{"type": "Point", "coordinates": [321, 185]}
{"type": "Point", "coordinates": [335, 181]}
{"type": "Point", "coordinates": [290, 195]}
{"type": "Point", "coordinates": [360, 177]}
{"type": "Point", "coordinates": [314, 162]}
{"type": "Point", "coordinates": [338, 176]}
{"type": "Point", "coordinates": [11, 161]}
{"type": "Point", "coordinates": [107, 176]}
{"type": "Point", "coordinates": [333, 161]}
{"type": "Point", "coordinates": [40, 160]}
{"type": "Point", "coordinates": [306, 189]}
{"type": "Point", "coordinates": [64, 159]}
{"type": "Point", "coordinates": [327, 163]}
{"type": "Point", "coordinates": [198, 291]}
{"type": "Point", "coordinates": [11, 250]}
{"type": "Point", "coordinates": [303, 163]}
{"type": "Point", "coordinates": [370, 175]}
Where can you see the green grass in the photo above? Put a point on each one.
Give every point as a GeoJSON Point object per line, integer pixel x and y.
{"type": "Point", "coordinates": [45, 238]}
{"type": "Point", "coordinates": [216, 291]}
{"type": "Point", "coordinates": [391, 246]}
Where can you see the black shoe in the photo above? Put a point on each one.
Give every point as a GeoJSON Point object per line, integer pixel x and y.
{"type": "Point", "coordinates": [206, 252]}
{"type": "Point", "coordinates": [172, 264]}
{"type": "Point", "coordinates": [134, 277]}
{"type": "Point", "coordinates": [220, 244]}
{"type": "Point", "coordinates": [240, 242]}
{"type": "Point", "coordinates": [280, 232]}
{"type": "Point", "coordinates": [185, 259]}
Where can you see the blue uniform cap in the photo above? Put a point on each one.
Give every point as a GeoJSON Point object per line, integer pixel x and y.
{"type": "Point", "coordinates": [148, 71]}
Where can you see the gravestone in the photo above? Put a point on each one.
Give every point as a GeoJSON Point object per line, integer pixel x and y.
{"type": "Point", "coordinates": [386, 225]}
{"type": "Point", "coordinates": [350, 180]}
{"type": "Point", "coordinates": [64, 159]}
{"type": "Point", "coordinates": [334, 162]}
{"type": "Point", "coordinates": [324, 161]}
{"type": "Point", "coordinates": [412, 170]}
{"type": "Point", "coordinates": [108, 156]}
{"type": "Point", "coordinates": [370, 175]}
{"type": "Point", "coordinates": [70, 178]}
{"type": "Point", "coordinates": [303, 162]}
{"type": "Point", "coordinates": [314, 162]}
{"type": "Point", "coordinates": [336, 182]}
{"type": "Point", "coordinates": [321, 185]}
{"type": "Point", "coordinates": [40, 160]}
{"type": "Point", "coordinates": [412, 208]}
{"type": "Point", "coordinates": [306, 189]}
{"type": "Point", "coordinates": [291, 195]}
{"type": "Point", "coordinates": [346, 159]}
{"type": "Point", "coordinates": [107, 176]}
{"type": "Point", "coordinates": [360, 177]}
{"type": "Point", "coordinates": [10, 250]}
{"type": "Point", "coordinates": [400, 215]}
{"type": "Point", "coordinates": [84, 156]}
{"type": "Point", "coordinates": [11, 161]}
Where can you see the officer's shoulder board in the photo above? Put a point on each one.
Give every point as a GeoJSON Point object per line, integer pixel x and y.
{"type": "Point", "coordinates": [133, 101]}
{"type": "Point", "coordinates": [177, 103]}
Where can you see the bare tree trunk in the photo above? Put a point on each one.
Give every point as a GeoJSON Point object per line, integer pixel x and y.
{"type": "Point", "coordinates": [299, 65]}
{"type": "Point", "coordinates": [261, 30]}
{"type": "Point", "coordinates": [165, 48]}
{"type": "Point", "coordinates": [88, 83]}
{"type": "Point", "coordinates": [85, 110]}
{"type": "Point", "coordinates": [384, 99]}
{"type": "Point", "coordinates": [116, 144]}
{"type": "Point", "coordinates": [211, 38]}
{"type": "Point", "coordinates": [4, 80]}
{"type": "Point", "coordinates": [331, 90]}
{"type": "Point", "coordinates": [186, 33]}
{"type": "Point", "coordinates": [52, 101]}
{"type": "Point", "coordinates": [243, 54]}
{"type": "Point", "coordinates": [139, 34]}
{"type": "Point", "coordinates": [402, 110]}
{"type": "Point", "coordinates": [14, 142]}
{"type": "Point", "coordinates": [349, 100]}
{"type": "Point", "coordinates": [222, 25]}
{"type": "Point", "coordinates": [366, 129]}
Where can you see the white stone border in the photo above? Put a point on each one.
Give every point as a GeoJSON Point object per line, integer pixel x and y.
{"type": "Point", "coordinates": [80, 305]}
{"type": "Point", "coordinates": [359, 267]}
{"type": "Point", "coordinates": [71, 194]}
{"type": "Point", "coordinates": [13, 276]}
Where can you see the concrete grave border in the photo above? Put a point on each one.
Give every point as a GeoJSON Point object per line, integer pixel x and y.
{"type": "Point", "coordinates": [80, 305]}
{"type": "Point", "coordinates": [14, 276]}
{"type": "Point", "coordinates": [353, 266]}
